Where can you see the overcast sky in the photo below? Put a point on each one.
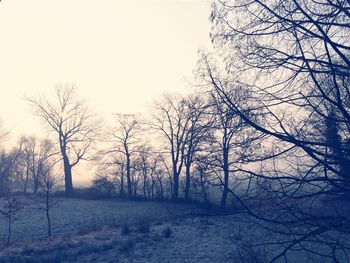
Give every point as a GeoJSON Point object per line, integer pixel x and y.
{"type": "Point", "coordinates": [120, 54]}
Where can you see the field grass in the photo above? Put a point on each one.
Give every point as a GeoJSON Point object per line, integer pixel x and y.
{"type": "Point", "coordinates": [94, 231]}
{"type": "Point", "coordinates": [78, 215]}
{"type": "Point", "coordinates": [137, 231]}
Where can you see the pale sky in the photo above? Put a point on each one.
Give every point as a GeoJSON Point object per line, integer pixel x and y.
{"type": "Point", "coordinates": [121, 55]}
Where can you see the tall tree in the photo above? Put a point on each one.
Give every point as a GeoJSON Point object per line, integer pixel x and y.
{"type": "Point", "coordinates": [298, 55]}
{"type": "Point", "coordinates": [230, 141]}
{"type": "Point", "coordinates": [73, 123]}
{"type": "Point", "coordinates": [198, 129]}
{"type": "Point", "coordinates": [124, 139]}
{"type": "Point", "coordinates": [171, 118]}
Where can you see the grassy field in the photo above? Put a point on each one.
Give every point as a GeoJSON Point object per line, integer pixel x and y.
{"type": "Point", "coordinates": [94, 231]}
{"type": "Point", "coordinates": [78, 215]}
{"type": "Point", "coordinates": [135, 231]}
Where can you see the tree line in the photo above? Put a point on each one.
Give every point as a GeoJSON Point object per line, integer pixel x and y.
{"type": "Point", "coordinates": [183, 150]}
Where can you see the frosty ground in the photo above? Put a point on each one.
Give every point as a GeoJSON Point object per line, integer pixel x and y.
{"type": "Point", "coordinates": [93, 231]}
{"type": "Point", "coordinates": [132, 231]}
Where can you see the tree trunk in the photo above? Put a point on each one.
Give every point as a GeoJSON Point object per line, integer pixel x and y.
{"type": "Point", "coordinates": [226, 177]}
{"type": "Point", "coordinates": [161, 194]}
{"type": "Point", "coordinates": [48, 223]}
{"type": "Point", "coordinates": [9, 230]}
{"type": "Point", "coordinates": [122, 193]}
{"type": "Point", "coordinates": [35, 173]}
{"type": "Point", "coordinates": [68, 177]}
{"type": "Point", "coordinates": [135, 189]}
{"type": "Point", "coordinates": [188, 181]}
{"type": "Point", "coordinates": [204, 192]}
{"type": "Point", "coordinates": [171, 186]}
{"type": "Point", "coordinates": [144, 185]}
{"type": "Point", "coordinates": [35, 184]}
{"type": "Point", "coordinates": [48, 214]}
{"type": "Point", "coordinates": [128, 176]}
{"type": "Point", "coordinates": [152, 188]}
{"type": "Point", "coordinates": [144, 188]}
{"type": "Point", "coordinates": [26, 181]}
{"type": "Point", "coordinates": [176, 186]}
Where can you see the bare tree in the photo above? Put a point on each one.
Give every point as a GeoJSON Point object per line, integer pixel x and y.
{"type": "Point", "coordinates": [73, 124]}
{"type": "Point", "coordinates": [205, 175]}
{"type": "Point", "coordinates": [298, 53]}
{"type": "Point", "coordinates": [120, 171]}
{"type": "Point", "coordinates": [157, 173]}
{"type": "Point", "coordinates": [25, 161]}
{"type": "Point", "coordinates": [144, 154]}
{"type": "Point", "coordinates": [106, 184]}
{"type": "Point", "coordinates": [45, 199]}
{"type": "Point", "coordinates": [10, 211]}
{"type": "Point", "coordinates": [199, 126]}
{"type": "Point", "coordinates": [9, 164]}
{"type": "Point", "coordinates": [172, 119]}
{"type": "Point", "coordinates": [136, 175]}
{"type": "Point", "coordinates": [34, 157]}
{"type": "Point", "coordinates": [110, 172]}
{"type": "Point", "coordinates": [230, 141]}
{"type": "Point", "coordinates": [125, 143]}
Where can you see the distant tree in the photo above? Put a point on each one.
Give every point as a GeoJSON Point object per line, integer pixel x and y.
{"type": "Point", "coordinates": [172, 119]}
{"type": "Point", "coordinates": [110, 172]}
{"type": "Point", "coordinates": [143, 167]}
{"type": "Point", "coordinates": [157, 173]}
{"type": "Point", "coordinates": [106, 184]}
{"type": "Point", "coordinates": [136, 175]}
{"type": "Point", "coordinates": [204, 179]}
{"type": "Point", "coordinates": [200, 120]}
{"type": "Point", "coordinates": [72, 122]}
{"type": "Point", "coordinates": [35, 155]}
{"type": "Point", "coordinates": [25, 162]}
{"type": "Point", "coordinates": [125, 143]}
{"type": "Point", "coordinates": [230, 142]}
{"type": "Point", "coordinates": [120, 172]}
{"type": "Point", "coordinates": [9, 162]}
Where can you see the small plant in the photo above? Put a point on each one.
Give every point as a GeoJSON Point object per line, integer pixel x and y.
{"type": "Point", "coordinates": [9, 211]}
{"type": "Point", "coordinates": [167, 232]}
{"type": "Point", "coordinates": [125, 230]}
